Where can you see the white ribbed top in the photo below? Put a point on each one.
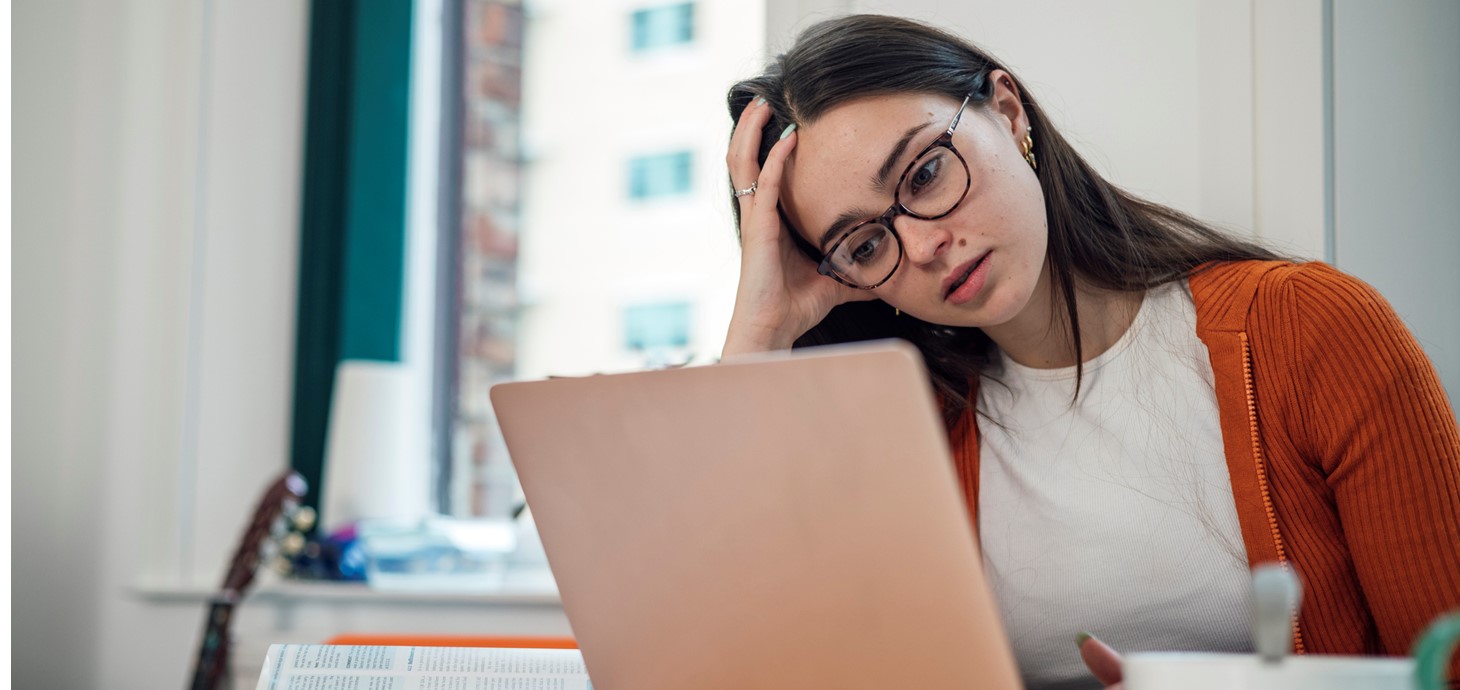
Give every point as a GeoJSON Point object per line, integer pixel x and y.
{"type": "Point", "coordinates": [1115, 515]}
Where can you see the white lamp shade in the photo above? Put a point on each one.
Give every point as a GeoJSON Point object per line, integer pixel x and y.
{"type": "Point", "coordinates": [377, 454]}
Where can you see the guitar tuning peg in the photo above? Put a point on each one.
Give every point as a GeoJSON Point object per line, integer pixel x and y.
{"type": "Point", "coordinates": [304, 518]}
{"type": "Point", "coordinates": [292, 544]}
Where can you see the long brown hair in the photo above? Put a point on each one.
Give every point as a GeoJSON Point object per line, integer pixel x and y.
{"type": "Point", "coordinates": [1098, 233]}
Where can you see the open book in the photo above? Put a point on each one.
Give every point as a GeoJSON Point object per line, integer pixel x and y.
{"type": "Point", "coordinates": [341, 667]}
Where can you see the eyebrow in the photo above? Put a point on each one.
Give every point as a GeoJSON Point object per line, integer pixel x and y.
{"type": "Point", "coordinates": [879, 182]}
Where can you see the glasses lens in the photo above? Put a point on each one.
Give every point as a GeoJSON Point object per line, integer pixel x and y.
{"type": "Point", "coordinates": [934, 184]}
{"type": "Point", "coordinates": [866, 256]}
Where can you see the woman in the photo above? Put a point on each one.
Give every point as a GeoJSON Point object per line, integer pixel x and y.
{"type": "Point", "coordinates": [1141, 407]}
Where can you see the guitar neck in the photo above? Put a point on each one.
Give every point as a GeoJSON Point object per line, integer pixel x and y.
{"type": "Point", "coordinates": [212, 661]}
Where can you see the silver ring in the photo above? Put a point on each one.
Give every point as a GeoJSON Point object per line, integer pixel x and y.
{"type": "Point", "coordinates": [747, 191]}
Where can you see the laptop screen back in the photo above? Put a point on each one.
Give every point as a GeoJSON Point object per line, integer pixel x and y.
{"type": "Point", "coordinates": [790, 521]}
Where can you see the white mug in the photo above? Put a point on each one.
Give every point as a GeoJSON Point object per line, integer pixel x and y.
{"type": "Point", "coordinates": [1212, 671]}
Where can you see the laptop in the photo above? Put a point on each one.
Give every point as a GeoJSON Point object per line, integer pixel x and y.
{"type": "Point", "coordinates": [789, 520]}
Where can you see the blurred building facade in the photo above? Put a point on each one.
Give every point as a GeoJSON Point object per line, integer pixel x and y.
{"type": "Point", "coordinates": [596, 229]}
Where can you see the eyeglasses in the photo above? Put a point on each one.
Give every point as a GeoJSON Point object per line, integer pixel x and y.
{"type": "Point", "coordinates": [931, 187]}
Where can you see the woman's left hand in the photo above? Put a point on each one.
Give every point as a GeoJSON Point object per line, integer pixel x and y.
{"type": "Point", "coordinates": [1103, 662]}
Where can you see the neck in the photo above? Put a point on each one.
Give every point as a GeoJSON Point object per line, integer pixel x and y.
{"type": "Point", "coordinates": [1040, 336]}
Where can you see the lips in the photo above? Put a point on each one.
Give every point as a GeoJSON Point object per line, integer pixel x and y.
{"type": "Point", "coordinates": [959, 275]}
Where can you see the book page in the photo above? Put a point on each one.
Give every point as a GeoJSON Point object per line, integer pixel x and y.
{"type": "Point", "coordinates": [342, 667]}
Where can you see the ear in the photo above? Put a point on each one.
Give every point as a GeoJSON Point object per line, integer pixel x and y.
{"type": "Point", "coordinates": [1007, 104]}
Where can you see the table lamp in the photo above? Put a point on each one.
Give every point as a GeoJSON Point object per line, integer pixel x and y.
{"type": "Point", "coordinates": [377, 453]}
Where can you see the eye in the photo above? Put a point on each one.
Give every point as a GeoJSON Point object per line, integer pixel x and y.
{"type": "Point", "coordinates": [925, 174]}
{"type": "Point", "coordinates": [866, 249]}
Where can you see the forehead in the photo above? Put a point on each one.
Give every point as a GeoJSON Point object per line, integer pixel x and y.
{"type": "Point", "coordinates": [838, 156]}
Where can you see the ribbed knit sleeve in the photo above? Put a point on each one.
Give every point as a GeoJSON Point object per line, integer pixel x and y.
{"type": "Point", "coordinates": [1377, 421]}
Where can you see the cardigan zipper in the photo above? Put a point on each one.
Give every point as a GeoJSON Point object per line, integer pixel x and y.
{"type": "Point", "coordinates": [1258, 460]}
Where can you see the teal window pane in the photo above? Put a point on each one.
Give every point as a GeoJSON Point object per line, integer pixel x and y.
{"type": "Point", "coordinates": [656, 27]}
{"type": "Point", "coordinates": [660, 175]}
{"type": "Point", "coordinates": [657, 326]}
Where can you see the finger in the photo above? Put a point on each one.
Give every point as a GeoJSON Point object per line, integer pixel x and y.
{"type": "Point", "coordinates": [764, 215]}
{"type": "Point", "coordinates": [1103, 662]}
{"type": "Point", "coordinates": [745, 139]}
{"type": "Point", "coordinates": [741, 158]}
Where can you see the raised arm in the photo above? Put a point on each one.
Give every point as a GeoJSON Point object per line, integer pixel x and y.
{"type": "Point", "coordinates": [780, 295]}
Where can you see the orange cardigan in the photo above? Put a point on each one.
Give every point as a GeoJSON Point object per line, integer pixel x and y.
{"type": "Point", "coordinates": [1343, 450]}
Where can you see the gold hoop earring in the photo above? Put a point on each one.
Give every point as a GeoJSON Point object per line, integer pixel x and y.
{"type": "Point", "coordinates": [1029, 151]}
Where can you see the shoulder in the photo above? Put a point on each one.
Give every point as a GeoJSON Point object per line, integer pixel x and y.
{"type": "Point", "coordinates": [1325, 325]}
{"type": "Point", "coordinates": [1326, 303]}
{"type": "Point", "coordinates": [1225, 280]}
{"type": "Point", "coordinates": [1251, 295]}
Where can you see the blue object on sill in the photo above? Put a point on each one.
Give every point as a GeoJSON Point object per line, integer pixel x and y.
{"type": "Point", "coordinates": [437, 553]}
{"type": "Point", "coordinates": [336, 557]}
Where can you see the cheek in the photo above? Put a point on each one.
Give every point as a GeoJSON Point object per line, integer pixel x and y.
{"type": "Point", "coordinates": [1008, 208]}
{"type": "Point", "coordinates": [1011, 216]}
{"type": "Point", "coordinates": [1022, 199]}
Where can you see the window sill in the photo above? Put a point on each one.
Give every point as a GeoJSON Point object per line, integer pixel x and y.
{"type": "Point", "coordinates": [522, 586]}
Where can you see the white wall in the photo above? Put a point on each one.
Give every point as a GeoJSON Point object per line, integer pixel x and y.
{"type": "Point", "coordinates": [156, 178]}
{"type": "Point", "coordinates": [1396, 95]}
{"type": "Point", "coordinates": [60, 274]}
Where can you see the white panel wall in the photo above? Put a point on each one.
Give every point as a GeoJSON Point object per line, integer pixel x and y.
{"type": "Point", "coordinates": [155, 232]}
{"type": "Point", "coordinates": [1396, 92]}
{"type": "Point", "coordinates": [1289, 142]}
{"type": "Point", "coordinates": [61, 277]}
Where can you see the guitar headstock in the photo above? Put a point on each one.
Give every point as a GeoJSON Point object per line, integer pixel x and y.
{"type": "Point", "coordinates": [278, 503]}
{"type": "Point", "coordinates": [265, 528]}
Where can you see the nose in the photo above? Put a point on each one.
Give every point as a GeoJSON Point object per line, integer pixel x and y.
{"type": "Point", "coordinates": [923, 241]}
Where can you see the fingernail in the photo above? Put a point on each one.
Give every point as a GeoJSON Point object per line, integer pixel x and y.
{"type": "Point", "coordinates": [1082, 638]}
{"type": "Point", "coordinates": [787, 131]}
{"type": "Point", "coordinates": [760, 100]}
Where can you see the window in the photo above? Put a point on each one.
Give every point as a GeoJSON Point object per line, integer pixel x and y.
{"type": "Point", "coordinates": [657, 327]}
{"type": "Point", "coordinates": [660, 175]}
{"type": "Point", "coordinates": [527, 241]}
{"type": "Point", "coordinates": [554, 255]}
{"type": "Point", "coordinates": [660, 334]}
{"type": "Point", "coordinates": [657, 27]}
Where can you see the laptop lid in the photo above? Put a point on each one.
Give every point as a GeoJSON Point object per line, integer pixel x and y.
{"type": "Point", "coordinates": [786, 521]}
